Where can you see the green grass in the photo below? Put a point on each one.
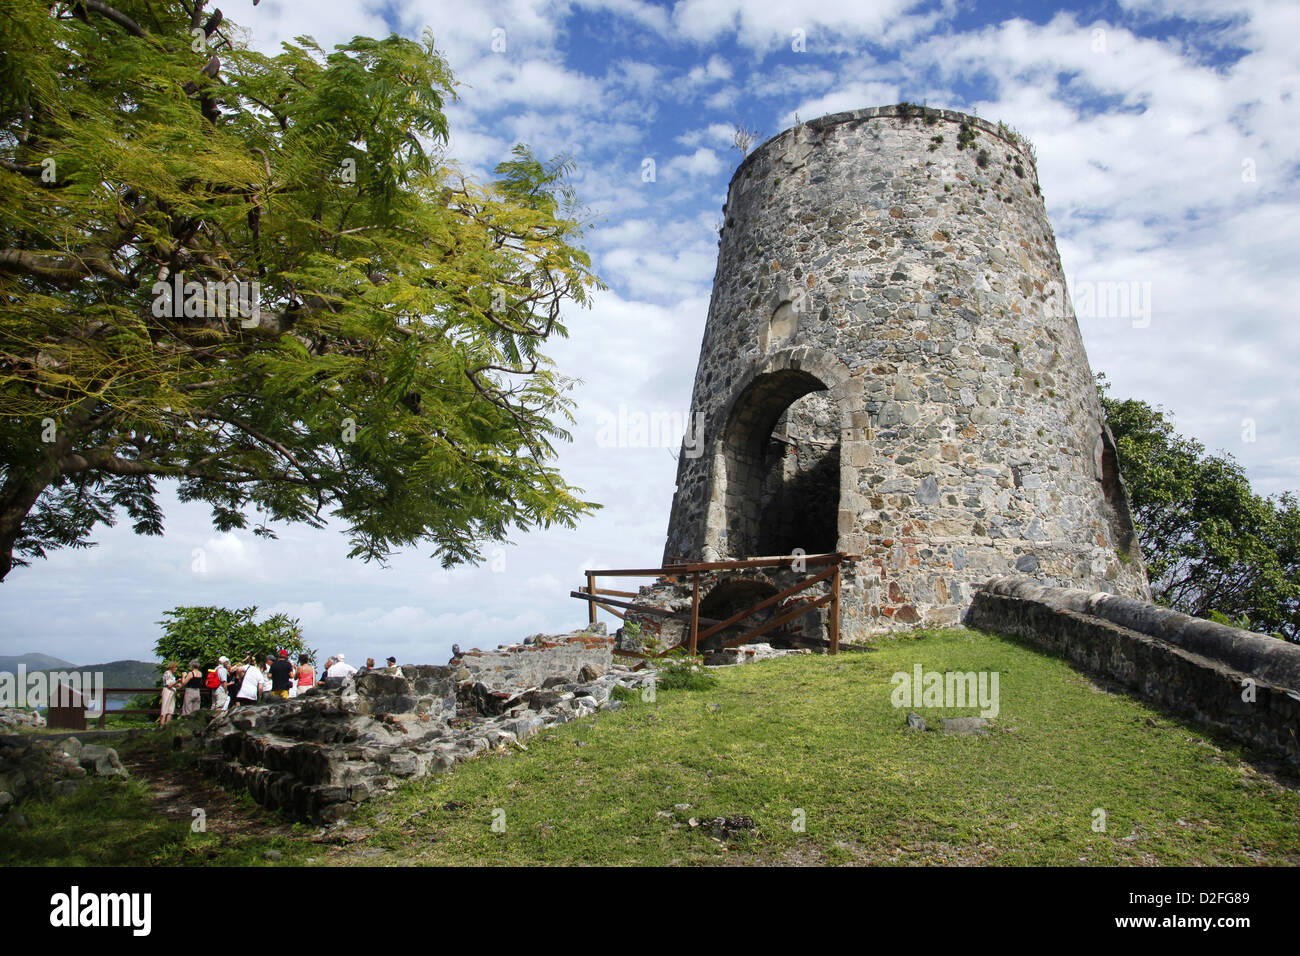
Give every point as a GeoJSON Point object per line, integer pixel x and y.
{"type": "Point", "coordinates": [820, 735]}
{"type": "Point", "coordinates": [813, 734]}
{"type": "Point", "coordinates": [105, 823]}
{"type": "Point", "coordinates": [110, 823]}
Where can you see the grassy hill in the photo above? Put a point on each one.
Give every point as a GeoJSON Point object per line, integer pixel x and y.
{"type": "Point", "coordinates": [819, 735]}
{"type": "Point", "coordinates": [34, 662]}
{"type": "Point", "coordinates": [125, 673]}
{"type": "Point", "coordinates": [116, 673]}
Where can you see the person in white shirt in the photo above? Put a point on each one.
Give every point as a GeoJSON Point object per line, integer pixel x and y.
{"type": "Point", "coordinates": [254, 681]}
{"type": "Point", "coordinates": [221, 699]}
{"type": "Point", "coordinates": [340, 668]}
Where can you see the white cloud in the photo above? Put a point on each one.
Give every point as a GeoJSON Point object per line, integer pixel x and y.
{"type": "Point", "coordinates": [702, 162]}
{"type": "Point", "coordinates": [719, 134]}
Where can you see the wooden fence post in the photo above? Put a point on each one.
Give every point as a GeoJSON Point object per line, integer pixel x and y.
{"type": "Point", "coordinates": [695, 613]}
{"type": "Point", "coordinates": [835, 611]}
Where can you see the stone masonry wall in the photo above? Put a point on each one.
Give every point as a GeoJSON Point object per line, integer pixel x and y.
{"type": "Point", "coordinates": [320, 755]}
{"type": "Point", "coordinates": [539, 657]}
{"type": "Point", "coordinates": [915, 285]}
{"type": "Point", "coordinates": [1190, 666]}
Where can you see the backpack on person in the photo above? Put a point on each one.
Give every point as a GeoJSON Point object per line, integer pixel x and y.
{"type": "Point", "coordinates": [213, 680]}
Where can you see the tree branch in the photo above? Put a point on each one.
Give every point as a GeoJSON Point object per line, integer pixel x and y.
{"type": "Point", "coordinates": [117, 16]}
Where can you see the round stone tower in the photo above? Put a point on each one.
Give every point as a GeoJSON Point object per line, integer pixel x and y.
{"type": "Point", "coordinates": [892, 368]}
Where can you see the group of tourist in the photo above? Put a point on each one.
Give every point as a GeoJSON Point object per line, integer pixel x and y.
{"type": "Point", "coordinates": [246, 682]}
{"type": "Point", "coordinates": [187, 684]}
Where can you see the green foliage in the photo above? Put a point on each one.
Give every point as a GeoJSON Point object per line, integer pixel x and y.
{"type": "Point", "coordinates": [966, 135]}
{"type": "Point", "coordinates": [392, 375]}
{"type": "Point", "coordinates": [982, 159]}
{"type": "Point", "coordinates": [1211, 545]}
{"type": "Point", "coordinates": [206, 633]}
{"type": "Point", "coordinates": [680, 671]}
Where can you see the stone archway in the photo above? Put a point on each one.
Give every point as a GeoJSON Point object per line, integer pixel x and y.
{"type": "Point", "coordinates": [778, 477]}
{"type": "Point", "coordinates": [782, 467]}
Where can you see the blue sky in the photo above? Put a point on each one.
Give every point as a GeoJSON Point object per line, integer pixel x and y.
{"type": "Point", "coordinates": [1168, 150]}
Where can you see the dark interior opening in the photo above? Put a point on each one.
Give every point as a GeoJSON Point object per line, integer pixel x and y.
{"type": "Point", "coordinates": [1118, 512]}
{"type": "Point", "coordinates": [731, 597]}
{"type": "Point", "coordinates": [783, 468]}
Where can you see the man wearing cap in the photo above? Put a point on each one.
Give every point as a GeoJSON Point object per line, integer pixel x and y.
{"type": "Point", "coordinates": [393, 669]}
{"type": "Point", "coordinates": [220, 697]}
{"type": "Point", "coordinates": [281, 674]}
{"type": "Point", "coordinates": [340, 668]}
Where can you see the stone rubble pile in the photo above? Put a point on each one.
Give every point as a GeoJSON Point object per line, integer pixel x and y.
{"type": "Point", "coordinates": [319, 755]}
{"type": "Point", "coordinates": [11, 719]}
{"type": "Point", "coordinates": [32, 767]}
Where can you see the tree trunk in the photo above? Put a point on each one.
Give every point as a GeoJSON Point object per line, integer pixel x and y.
{"type": "Point", "coordinates": [22, 490]}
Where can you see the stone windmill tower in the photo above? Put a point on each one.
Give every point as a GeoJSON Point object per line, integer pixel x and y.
{"type": "Point", "coordinates": [891, 368]}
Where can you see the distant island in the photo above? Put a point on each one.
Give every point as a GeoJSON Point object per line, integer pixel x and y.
{"type": "Point", "coordinates": [115, 673]}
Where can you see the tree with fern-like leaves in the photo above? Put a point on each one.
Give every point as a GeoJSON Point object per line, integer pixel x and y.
{"type": "Point", "coordinates": [258, 277]}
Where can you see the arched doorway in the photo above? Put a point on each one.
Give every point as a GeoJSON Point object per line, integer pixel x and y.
{"type": "Point", "coordinates": [782, 455]}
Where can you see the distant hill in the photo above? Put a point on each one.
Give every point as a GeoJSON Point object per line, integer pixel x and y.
{"type": "Point", "coordinates": [35, 662]}
{"type": "Point", "coordinates": [120, 673]}
{"type": "Point", "coordinates": [116, 673]}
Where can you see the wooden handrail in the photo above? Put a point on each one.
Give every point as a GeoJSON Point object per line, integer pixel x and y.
{"type": "Point", "coordinates": [639, 608]}
{"type": "Point", "coordinates": [832, 561]}
{"type": "Point", "coordinates": [788, 592]}
{"type": "Point", "coordinates": [777, 621]}
{"type": "Point", "coordinates": [809, 560]}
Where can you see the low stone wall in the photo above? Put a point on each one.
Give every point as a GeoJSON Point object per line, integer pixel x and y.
{"type": "Point", "coordinates": [1196, 668]}
{"type": "Point", "coordinates": [319, 755]}
{"type": "Point", "coordinates": [539, 657]}
{"type": "Point", "coordinates": [39, 768]}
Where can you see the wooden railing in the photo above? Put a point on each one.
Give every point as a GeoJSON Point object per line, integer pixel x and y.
{"type": "Point", "coordinates": [831, 564]}
{"type": "Point", "coordinates": [205, 698]}
{"type": "Point", "coordinates": [103, 714]}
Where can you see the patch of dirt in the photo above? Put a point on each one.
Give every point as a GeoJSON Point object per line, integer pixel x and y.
{"type": "Point", "coordinates": [177, 792]}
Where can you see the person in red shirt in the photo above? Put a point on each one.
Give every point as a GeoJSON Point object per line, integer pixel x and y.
{"type": "Point", "coordinates": [306, 673]}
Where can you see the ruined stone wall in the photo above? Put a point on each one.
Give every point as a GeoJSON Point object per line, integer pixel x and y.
{"type": "Point", "coordinates": [530, 663]}
{"type": "Point", "coordinates": [1242, 684]}
{"type": "Point", "coordinates": [320, 755]}
{"type": "Point", "coordinates": [915, 287]}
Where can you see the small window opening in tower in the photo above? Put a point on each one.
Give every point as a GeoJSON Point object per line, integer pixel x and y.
{"type": "Point", "coordinates": [1117, 506]}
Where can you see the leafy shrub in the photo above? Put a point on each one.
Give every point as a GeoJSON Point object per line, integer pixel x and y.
{"type": "Point", "coordinates": [680, 671]}
{"type": "Point", "coordinates": [206, 633]}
